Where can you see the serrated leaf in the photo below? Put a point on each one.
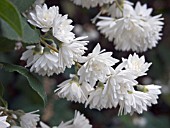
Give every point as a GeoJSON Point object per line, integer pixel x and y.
{"type": "Point", "coordinates": [10, 15]}
{"type": "Point", "coordinates": [6, 45]}
{"type": "Point", "coordinates": [22, 5]}
{"type": "Point", "coordinates": [34, 82]}
{"type": "Point", "coordinates": [30, 35]}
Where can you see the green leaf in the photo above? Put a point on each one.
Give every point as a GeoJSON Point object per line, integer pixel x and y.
{"type": "Point", "coordinates": [62, 108]}
{"type": "Point", "coordinates": [8, 32]}
{"type": "Point", "coordinates": [10, 14]}
{"type": "Point", "coordinates": [34, 82]}
{"type": "Point", "coordinates": [22, 5]}
{"type": "Point", "coordinates": [30, 35]}
{"type": "Point", "coordinates": [6, 45]}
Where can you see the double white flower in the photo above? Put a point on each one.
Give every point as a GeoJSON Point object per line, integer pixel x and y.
{"type": "Point", "coordinates": [136, 65]}
{"type": "Point", "coordinates": [132, 29]}
{"type": "Point", "coordinates": [73, 90]}
{"type": "Point", "coordinates": [62, 28]}
{"type": "Point", "coordinates": [96, 66]}
{"type": "Point", "coordinates": [43, 17]}
{"type": "Point", "coordinates": [137, 101]}
{"type": "Point", "coordinates": [42, 62]}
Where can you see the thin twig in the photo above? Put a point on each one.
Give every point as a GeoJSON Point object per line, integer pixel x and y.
{"type": "Point", "coordinates": [49, 46]}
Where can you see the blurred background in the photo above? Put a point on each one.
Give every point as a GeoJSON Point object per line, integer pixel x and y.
{"type": "Point", "coordinates": [20, 96]}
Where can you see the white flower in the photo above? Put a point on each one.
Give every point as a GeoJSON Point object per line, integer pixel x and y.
{"type": "Point", "coordinates": [96, 66]}
{"type": "Point", "coordinates": [80, 121]}
{"type": "Point", "coordinates": [137, 30]}
{"type": "Point", "coordinates": [137, 101]}
{"type": "Point", "coordinates": [153, 91]}
{"type": "Point", "coordinates": [62, 29]}
{"type": "Point", "coordinates": [3, 122]}
{"type": "Point", "coordinates": [69, 53]}
{"type": "Point", "coordinates": [71, 90]}
{"type": "Point", "coordinates": [29, 120]}
{"type": "Point", "coordinates": [152, 26]}
{"type": "Point", "coordinates": [136, 65]}
{"type": "Point", "coordinates": [44, 62]}
{"type": "Point", "coordinates": [44, 17]}
{"type": "Point", "coordinates": [47, 64]}
{"type": "Point", "coordinates": [134, 101]}
{"type": "Point", "coordinates": [91, 3]}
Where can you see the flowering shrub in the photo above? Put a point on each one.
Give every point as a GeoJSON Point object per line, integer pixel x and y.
{"type": "Point", "coordinates": [100, 81]}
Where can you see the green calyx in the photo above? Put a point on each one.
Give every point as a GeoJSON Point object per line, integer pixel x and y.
{"type": "Point", "coordinates": [38, 49]}
{"type": "Point", "coordinates": [100, 85]}
{"type": "Point", "coordinates": [142, 88]}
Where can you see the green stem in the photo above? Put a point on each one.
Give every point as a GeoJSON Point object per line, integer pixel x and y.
{"type": "Point", "coordinates": [49, 46]}
{"type": "Point", "coordinates": [119, 6]}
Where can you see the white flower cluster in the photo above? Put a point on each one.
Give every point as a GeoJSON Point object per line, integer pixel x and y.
{"type": "Point", "coordinates": [47, 62]}
{"type": "Point", "coordinates": [131, 28]}
{"type": "Point", "coordinates": [99, 85]}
